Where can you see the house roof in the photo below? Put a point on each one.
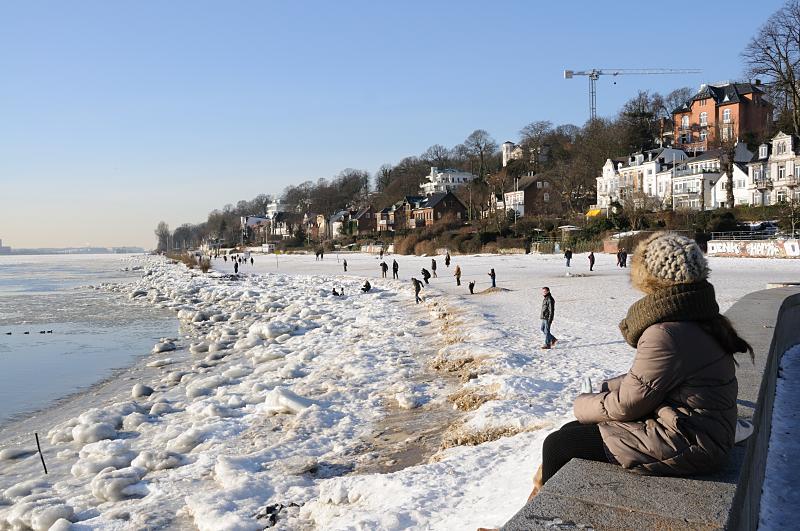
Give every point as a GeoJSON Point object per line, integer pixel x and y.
{"type": "Point", "coordinates": [527, 181]}
{"type": "Point", "coordinates": [434, 199]}
{"type": "Point", "coordinates": [360, 213]}
{"type": "Point", "coordinates": [722, 94]}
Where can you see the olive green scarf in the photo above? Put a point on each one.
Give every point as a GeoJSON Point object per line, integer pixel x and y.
{"type": "Point", "coordinates": [682, 302]}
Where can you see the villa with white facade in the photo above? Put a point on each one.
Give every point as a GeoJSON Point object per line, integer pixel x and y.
{"type": "Point", "coordinates": [636, 173]}
{"type": "Point", "coordinates": [775, 171]}
{"type": "Point", "coordinates": [446, 180]}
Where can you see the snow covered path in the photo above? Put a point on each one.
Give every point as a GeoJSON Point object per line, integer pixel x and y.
{"type": "Point", "coordinates": [272, 400]}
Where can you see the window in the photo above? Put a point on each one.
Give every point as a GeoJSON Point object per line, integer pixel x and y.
{"type": "Point", "coordinates": [546, 197]}
{"type": "Point", "coordinates": [703, 135]}
{"type": "Point", "coordinates": [781, 196]}
{"type": "Point", "coordinates": [725, 133]}
{"type": "Point", "coordinates": [762, 152]}
{"type": "Point", "coordinates": [726, 116]}
{"type": "Point", "coordinates": [704, 118]}
{"type": "Point", "coordinates": [781, 148]}
{"type": "Point", "coordinates": [539, 184]}
{"type": "Point", "coordinates": [684, 122]}
{"type": "Point", "coordinates": [546, 184]}
{"type": "Point", "coordinates": [797, 170]}
{"type": "Point", "coordinates": [781, 172]}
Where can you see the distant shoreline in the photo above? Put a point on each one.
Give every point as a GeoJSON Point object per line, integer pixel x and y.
{"type": "Point", "coordinates": [74, 250]}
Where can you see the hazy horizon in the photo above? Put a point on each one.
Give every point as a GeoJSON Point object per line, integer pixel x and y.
{"type": "Point", "coordinates": [119, 115]}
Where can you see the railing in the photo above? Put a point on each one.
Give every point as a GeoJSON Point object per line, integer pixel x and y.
{"type": "Point", "coordinates": [762, 183]}
{"type": "Point", "coordinates": [744, 235]}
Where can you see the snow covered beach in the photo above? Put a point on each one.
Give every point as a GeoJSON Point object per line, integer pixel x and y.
{"type": "Point", "coordinates": [274, 401]}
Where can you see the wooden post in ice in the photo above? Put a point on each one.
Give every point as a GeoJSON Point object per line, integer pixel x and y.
{"type": "Point", "coordinates": [39, 447]}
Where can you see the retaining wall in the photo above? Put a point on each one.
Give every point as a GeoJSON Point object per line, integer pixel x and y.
{"type": "Point", "coordinates": [755, 248]}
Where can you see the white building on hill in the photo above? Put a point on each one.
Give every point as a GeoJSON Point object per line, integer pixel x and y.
{"type": "Point", "coordinates": [444, 181]}
{"type": "Point", "coordinates": [636, 173]}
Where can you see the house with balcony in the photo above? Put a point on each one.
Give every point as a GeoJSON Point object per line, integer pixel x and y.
{"type": "Point", "coordinates": [699, 183]}
{"type": "Point", "coordinates": [731, 110]}
{"type": "Point", "coordinates": [637, 173]}
{"type": "Point", "coordinates": [443, 181]}
{"type": "Point", "coordinates": [775, 171]}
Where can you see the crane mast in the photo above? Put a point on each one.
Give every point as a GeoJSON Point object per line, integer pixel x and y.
{"type": "Point", "coordinates": [595, 73]}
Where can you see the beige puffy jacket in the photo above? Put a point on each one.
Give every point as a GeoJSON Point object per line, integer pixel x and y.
{"type": "Point", "coordinates": [674, 412]}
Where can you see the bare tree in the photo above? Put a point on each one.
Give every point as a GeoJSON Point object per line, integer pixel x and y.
{"type": "Point", "coordinates": [162, 234]}
{"type": "Point", "coordinates": [774, 53]}
{"type": "Point", "coordinates": [383, 177]}
{"type": "Point", "coordinates": [437, 155]}
{"type": "Point", "coordinates": [725, 140]}
{"type": "Point", "coordinates": [534, 139]}
{"type": "Point", "coordinates": [481, 146]}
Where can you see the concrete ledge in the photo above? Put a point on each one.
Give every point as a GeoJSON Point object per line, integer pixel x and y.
{"type": "Point", "coordinates": [590, 495]}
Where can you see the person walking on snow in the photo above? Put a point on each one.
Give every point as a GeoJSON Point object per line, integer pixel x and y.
{"type": "Point", "coordinates": [457, 274]}
{"type": "Point", "coordinates": [395, 269]}
{"type": "Point", "coordinates": [252, 261]}
{"type": "Point", "coordinates": [674, 413]}
{"type": "Point", "coordinates": [426, 275]}
{"type": "Point", "coordinates": [236, 268]}
{"type": "Point", "coordinates": [547, 315]}
{"type": "Point", "coordinates": [384, 269]}
{"type": "Point", "coordinates": [591, 260]}
{"type": "Point", "coordinates": [472, 287]}
{"type": "Point", "coordinates": [492, 276]}
{"type": "Point", "coordinates": [344, 263]}
{"type": "Point", "coordinates": [568, 255]}
{"type": "Point", "coordinates": [623, 258]}
{"type": "Point", "coordinates": [433, 267]}
{"type": "Point", "coordinates": [417, 289]}
{"type": "Point", "coordinates": [381, 253]}
{"type": "Point", "coordinates": [447, 260]}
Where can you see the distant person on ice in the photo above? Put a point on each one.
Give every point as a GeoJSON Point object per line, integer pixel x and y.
{"type": "Point", "coordinates": [447, 259]}
{"type": "Point", "coordinates": [417, 288]}
{"type": "Point", "coordinates": [493, 276]}
{"type": "Point", "coordinates": [344, 263]}
{"type": "Point", "coordinates": [381, 253]}
{"type": "Point", "coordinates": [225, 258]}
{"type": "Point", "coordinates": [426, 275]}
{"type": "Point", "coordinates": [568, 255]}
{"type": "Point", "coordinates": [457, 274]}
{"type": "Point", "coordinates": [252, 261]}
{"type": "Point", "coordinates": [236, 268]}
{"type": "Point", "coordinates": [674, 413]}
{"type": "Point", "coordinates": [623, 258]}
{"type": "Point", "coordinates": [472, 287]}
{"type": "Point", "coordinates": [547, 315]}
{"type": "Point", "coordinates": [384, 269]}
{"type": "Point", "coordinates": [395, 269]}
{"type": "Point", "coordinates": [433, 267]}
{"type": "Point", "coordinates": [366, 287]}
{"type": "Point", "coordinates": [591, 260]}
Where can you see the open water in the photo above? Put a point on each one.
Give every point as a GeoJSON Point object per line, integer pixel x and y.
{"type": "Point", "coordinates": [76, 335]}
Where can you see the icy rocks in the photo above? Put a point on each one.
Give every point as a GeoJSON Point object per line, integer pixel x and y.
{"type": "Point", "coordinates": [89, 433]}
{"type": "Point", "coordinates": [158, 460]}
{"type": "Point", "coordinates": [141, 390]}
{"type": "Point", "coordinates": [186, 441]}
{"type": "Point", "coordinates": [10, 454]}
{"type": "Point", "coordinates": [97, 456]}
{"type": "Point", "coordinates": [133, 421]}
{"type": "Point", "coordinates": [281, 400]}
{"type": "Point", "coordinates": [35, 511]}
{"type": "Point", "coordinates": [111, 484]}
{"type": "Point", "coordinates": [204, 386]}
{"type": "Point", "coordinates": [165, 345]}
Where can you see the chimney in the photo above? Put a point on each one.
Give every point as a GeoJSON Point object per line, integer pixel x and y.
{"type": "Point", "coordinates": [758, 81]}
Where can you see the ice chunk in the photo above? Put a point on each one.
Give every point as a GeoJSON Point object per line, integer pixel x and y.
{"type": "Point", "coordinates": [140, 390]}
{"type": "Point", "coordinates": [204, 386]}
{"type": "Point", "coordinates": [187, 440]}
{"type": "Point", "coordinates": [96, 456]}
{"type": "Point", "coordinates": [89, 433]}
{"type": "Point", "coordinates": [133, 421]}
{"type": "Point", "coordinates": [25, 488]}
{"type": "Point", "coordinates": [164, 346]}
{"type": "Point", "coordinates": [158, 460]}
{"type": "Point", "coordinates": [9, 454]}
{"type": "Point", "coordinates": [281, 400]}
{"type": "Point", "coordinates": [36, 511]}
{"type": "Point", "coordinates": [111, 484]}
{"type": "Point", "coordinates": [214, 513]}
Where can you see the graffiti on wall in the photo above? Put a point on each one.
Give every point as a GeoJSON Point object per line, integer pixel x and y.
{"type": "Point", "coordinates": [755, 249]}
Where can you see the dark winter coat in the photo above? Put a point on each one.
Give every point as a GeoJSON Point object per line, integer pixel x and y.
{"type": "Point", "coordinates": [548, 307]}
{"type": "Point", "coordinates": [568, 254]}
{"type": "Point", "coordinates": [395, 266]}
{"type": "Point", "coordinates": [417, 285]}
{"type": "Point", "coordinates": [425, 274]}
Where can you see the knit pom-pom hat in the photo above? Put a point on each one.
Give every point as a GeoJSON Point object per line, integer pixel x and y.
{"type": "Point", "coordinates": [666, 259]}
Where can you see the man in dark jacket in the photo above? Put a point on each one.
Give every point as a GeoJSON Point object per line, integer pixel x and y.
{"type": "Point", "coordinates": [568, 255]}
{"type": "Point", "coordinates": [447, 259]}
{"type": "Point", "coordinates": [384, 269]}
{"type": "Point", "coordinates": [623, 258]}
{"type": "Point", "coordinates": [433, 267]}
{"type": "Point", "coordinates": [591, 260]}
{"type": "Point", "coordinates": [417, 289]}
{"type": "Point", "coordinates": [426, 275]}
{"type": "Point", "coordinates": [548, 313]}
{"type": "Point", "coordinates": [345, 265]}
{"type": "Point", "coordinates": [395, 269]}
{"type": "Point", "coordinates": [366, 287]}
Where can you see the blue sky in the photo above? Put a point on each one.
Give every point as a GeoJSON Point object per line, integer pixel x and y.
{"type": "Point", "coordinates": [114, 115]}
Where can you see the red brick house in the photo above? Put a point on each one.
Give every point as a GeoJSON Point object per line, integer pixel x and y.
{"type": "Point", "coordinates": [366, 219]}
{"type": "Point", "coordinates": [733, 110]}
{"type": "Point", "coordinates": [539, 196]}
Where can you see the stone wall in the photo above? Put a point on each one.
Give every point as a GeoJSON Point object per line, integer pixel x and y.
{"type": "Point", "coordinates": [755, 248]}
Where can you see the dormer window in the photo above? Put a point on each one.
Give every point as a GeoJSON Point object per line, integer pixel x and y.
{"type": "Point", "coordinates": [762, 151]}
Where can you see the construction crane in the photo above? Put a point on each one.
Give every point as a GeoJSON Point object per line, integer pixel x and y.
{"type": "Point", "coordinates": [595, 73]}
